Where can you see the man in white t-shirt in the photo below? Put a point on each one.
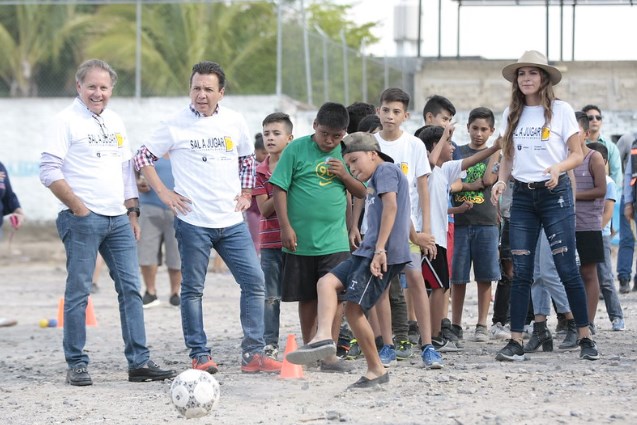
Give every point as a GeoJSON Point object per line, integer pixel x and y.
{"type": "Point", "coordinates": [88, 168]}
{"type": "Point", "coordinates": [213, 164]}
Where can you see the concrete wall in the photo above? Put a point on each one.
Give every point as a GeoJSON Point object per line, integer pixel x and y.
{"type": "Point", "coordinates": [469, 83]}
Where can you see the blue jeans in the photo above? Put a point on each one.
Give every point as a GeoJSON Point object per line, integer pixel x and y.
{"type": "Point", "coordinates": [530, 210]}
{"type": "Point", "coordinates": [477, 245]}
{"type": "Point", "coordinates": [546, 281]}
{"type": "Point", "coordinates": [113, 237]}
{"type": "Point", "coordinates": [272, 266]}
{"type": "Point", "coordinates": [626, 246]}
{"type": "Point", "coordinates": [607, 284]}
{"type": "Point", "coordinates": [234, 245]}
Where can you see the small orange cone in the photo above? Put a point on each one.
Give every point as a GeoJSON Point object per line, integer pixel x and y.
{"type": "Point", "coordinates": [289, 370]}
{"type": "Point", "coordinates": [90, 313]}
{"type": "Point", "coordinates": [61, 313]}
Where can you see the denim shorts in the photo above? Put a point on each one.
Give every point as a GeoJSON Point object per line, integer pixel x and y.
{"type": "Point", "coordinates": [361, 287]}
{"type": "Point", "coordinates": [477, 245]}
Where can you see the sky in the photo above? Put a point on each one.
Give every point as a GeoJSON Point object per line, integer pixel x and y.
{"type": "Point", "coordinates": [493, 32]}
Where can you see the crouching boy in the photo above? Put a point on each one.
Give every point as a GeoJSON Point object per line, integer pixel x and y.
{"type": "Point", "coordinates": [381, 256]}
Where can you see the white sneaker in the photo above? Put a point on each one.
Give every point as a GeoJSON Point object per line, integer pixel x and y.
{"type": "Point", "coordinates": [500, 331]}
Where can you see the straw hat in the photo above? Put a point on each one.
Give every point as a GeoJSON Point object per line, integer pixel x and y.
{"type": "Point", "coordinates": [532, 58]}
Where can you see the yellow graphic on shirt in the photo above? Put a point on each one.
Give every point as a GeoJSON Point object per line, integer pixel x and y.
{"type": "Point", "coordinates": [404, 167]}
{"type": "Point", "coordinates": [120, 140]}
{"type": "Point", "coordinates": [324, 174]}
{"type": "Point", "coordinates": [474, 173]}
{"type": "Point", "coordinates": [546, 133]}
{"type": "Point", "coordinates": [229, 145]}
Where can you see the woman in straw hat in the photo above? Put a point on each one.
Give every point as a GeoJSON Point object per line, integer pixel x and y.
{"type": "Point", "coordinates": [540, 143]}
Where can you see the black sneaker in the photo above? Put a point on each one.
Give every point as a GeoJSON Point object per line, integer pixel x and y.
{"type": "Point", "coordinates": [175, 300]}
{"type": "Point", "coordinates": [150, 300]}
{"type": "Point", "coordinates": [624, 286]}
{"type": "Point", "coordinates": [78, 376]}
{"type": "Point", "coordinates": [513, 351]}
{"type": "Point", "coordinates": [413, 333]}
{"type": "Point", "coordinates": [448, 332]}
{"type": "Point", "coordinates": [588, 349]}
{"type": "Point", "coordinates": [150, 372]}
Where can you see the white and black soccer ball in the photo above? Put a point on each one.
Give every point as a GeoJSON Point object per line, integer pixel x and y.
{"type": "Point", "coordinates": [195, 393]}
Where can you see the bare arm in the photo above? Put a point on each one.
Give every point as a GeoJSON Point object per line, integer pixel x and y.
{"type": "Point", "coordinates": [489, 176]}
{"type": "Point", "coordinates": [265, 204]}
{"type": "Point", "coordinates": [504, 175]}
{"type": "Point", "coordinates": [352, 185]}
{"type": "Point", "coordinates": [574, 158]}
{"type": "Point", "coordinates": [388, 217]}
{"type": "Point", "coordinates": [173, 200]}
{"type": "Point", "coordinates": [609, 207]}
{"type": "Point", "coordinates": [354, 232]}
{"type": "Point", "coordinates": [479, 157]}
{"type": "Point", "coordinates": [64, 193]}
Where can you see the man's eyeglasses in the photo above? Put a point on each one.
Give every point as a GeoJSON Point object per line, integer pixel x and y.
{"type": "Point", "coordinates": [594, 117]}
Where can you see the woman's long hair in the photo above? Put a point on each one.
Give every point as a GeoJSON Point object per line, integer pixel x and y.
{"type": "Point", "coordinates": [547, 96]}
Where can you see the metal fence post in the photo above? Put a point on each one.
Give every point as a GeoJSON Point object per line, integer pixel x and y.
{"type": "Point", "coordinates": [345, 69]}
{"type": "Point", "coordinates": [138, 50]}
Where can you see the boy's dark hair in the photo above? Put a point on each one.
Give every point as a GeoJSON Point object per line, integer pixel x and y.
{"type": "Point", "coordinates": [357, 111]}
{"type": "Point", "coordinates": [207, 68]}
{"type": "Point", "coordinates": [369, 124]}
{"type": "Point", "coordinates": [437, 103]}
{"type": "Point", "coordinates": [430, 135]}
{"type": "Point", "coordinates": [482, 113]}
{"type": "Point", "coordinates": [582, 119]}
{"type": "Point", "coordinates": [395, 95]}
{"type": "Point", "coordinates": [596, 146]}
{"type": "Point", "coordinates": [279, 117]}
{"type": "Point", "coordinates": [258, 142]}
{"type": "Point", "coordinates": [332, 115]}
{"type": "Point", "coordinates": [587, 108]}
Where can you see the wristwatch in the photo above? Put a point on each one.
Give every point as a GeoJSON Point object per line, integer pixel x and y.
{"type": "Point", "coordinates": [133, 210]}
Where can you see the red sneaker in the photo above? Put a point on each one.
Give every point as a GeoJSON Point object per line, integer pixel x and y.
{"type": "Point", "coordinates": [205, 363]}
{"type": "Point", "coordinates": [259, 363]}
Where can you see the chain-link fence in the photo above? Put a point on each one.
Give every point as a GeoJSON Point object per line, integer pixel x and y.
{"type": "Point", "coordinates": [153, 43]}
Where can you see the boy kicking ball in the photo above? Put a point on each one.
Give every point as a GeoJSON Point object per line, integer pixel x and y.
{"type": "Point", "coordinates": [381, 256]}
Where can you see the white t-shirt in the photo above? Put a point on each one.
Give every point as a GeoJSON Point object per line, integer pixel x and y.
{"type": "Point", "coordinates": [92, 149]}
{"type": "Point", "coordinates": [410, 154]}
{"type": "Point", "coordinates": [532, 155]}
{"type": "Point", "coordinates": [204, 154]}
{"type": "Point", "coordinates": [439, 186]}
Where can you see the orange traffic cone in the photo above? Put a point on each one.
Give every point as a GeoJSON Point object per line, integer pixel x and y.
{"type": "Point", "coordinates": [289, 370]}
{"type": "Point", "coordinates": [90, 313]}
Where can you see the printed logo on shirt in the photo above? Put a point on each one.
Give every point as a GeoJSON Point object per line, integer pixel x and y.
{"type": "Point", "coordinates": [323, 172]}
{"type": "Point", "coordinates": [404, 167]}
{"type": "Point", "coordinates": [211, 144]}
{"type": "Point", "coordinates": [474, 173]}
{"type": "Point", "coordinates": [120, 140]}
{"type": "Point", "coordinates": [229, 144]}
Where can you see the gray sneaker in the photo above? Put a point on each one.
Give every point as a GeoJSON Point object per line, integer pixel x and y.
{"type": "Point", "coordinates": [150, 300]}
{"type": "Point", "coordinates": [481, 334]}
{"type": "Point", "coordinates": [78, 376]}
{"type": "Point", "coordinates": [404, 349]}
{"type": "Point", "coordinates": [339, 366]}
{"type": "Point", "coordinates": [449, 332]}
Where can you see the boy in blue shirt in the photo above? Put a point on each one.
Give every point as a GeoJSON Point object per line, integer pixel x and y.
{"type": "Point", "coordinates": [381, 255]}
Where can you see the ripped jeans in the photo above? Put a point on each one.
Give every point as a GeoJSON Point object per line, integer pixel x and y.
{"type": "Point", "coordinates": [531, 210]}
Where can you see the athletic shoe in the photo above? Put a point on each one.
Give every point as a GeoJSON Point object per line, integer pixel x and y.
{"type": "Point", "coordinates": [618, 324]}
{"type": "Point", "coordinates": [387, 355]}
{"type": "Point", "coordinates": [431, 358]}
{"type": "Point", "coordinates": [312, 352]}
{"type": "Point", "coordinates": [592, 328]}
{"type": "Point", "coordinates": [414, 333]}
{"type": "Point", "coordinates": [588, 349]}
{"type": "Point", "coordinates": [404, 350]}
{"type": "Point", "coordinates": [364, 382]}
{"type": "Point", "coordinates": [354, 350]}
{"type": "Point", "coordinates": [271, 351]}
{"type": "Point", "coordinates": [204, 362]}
{"type": "Point", "coordinates": [150, 300]}
{"type": "Point", "coordinates": [78, 376]}
{"type": "Point", "coordinates": [443, 345]}
{"type": "Point", "coordinates": [481, 334]}
{"type": "Point", "coordinates": [150, 372]}
{"type": "Point", "coordinates": [448, 332]}
{"type": "Point", "coordinates": [257, 362]}
{"type": "Point", "coordinates": [499, 331]}
{"type": "Point", "coordinates": [513, 351]}
{"type": "Point", "coordinates": [562, 326]}
{"type": "Point", "coordinates": [175, 300]}
{"type": "Point", "coordinates": [528, 331]}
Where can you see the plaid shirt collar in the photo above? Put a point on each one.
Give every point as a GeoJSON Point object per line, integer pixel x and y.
{"type": "Point", "coordinates": [198, 114]}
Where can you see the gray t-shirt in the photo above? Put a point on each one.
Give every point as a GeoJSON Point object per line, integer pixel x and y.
{"type": "Point", "coordinates": [387, 178]}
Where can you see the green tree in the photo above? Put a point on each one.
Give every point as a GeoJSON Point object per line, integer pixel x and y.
{"type": "Point", "coordinates": [332, 19]}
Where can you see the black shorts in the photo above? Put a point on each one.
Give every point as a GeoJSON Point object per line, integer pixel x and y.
{"type": "Point", "coordinates": [436, 271]}
{"type": "Point", "coordinates": [361, 287]}
{"type": "Point", "coordinates": [590, 246]}
{"type": "Point", "coordinates": [302, 272]}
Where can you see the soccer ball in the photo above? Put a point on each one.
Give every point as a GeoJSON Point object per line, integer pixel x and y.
{"type": "Point", "coordinates": [195, 393]}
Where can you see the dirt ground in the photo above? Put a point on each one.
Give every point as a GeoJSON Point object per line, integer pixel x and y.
{"type": "Point", "coordinates": [472, 388]}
